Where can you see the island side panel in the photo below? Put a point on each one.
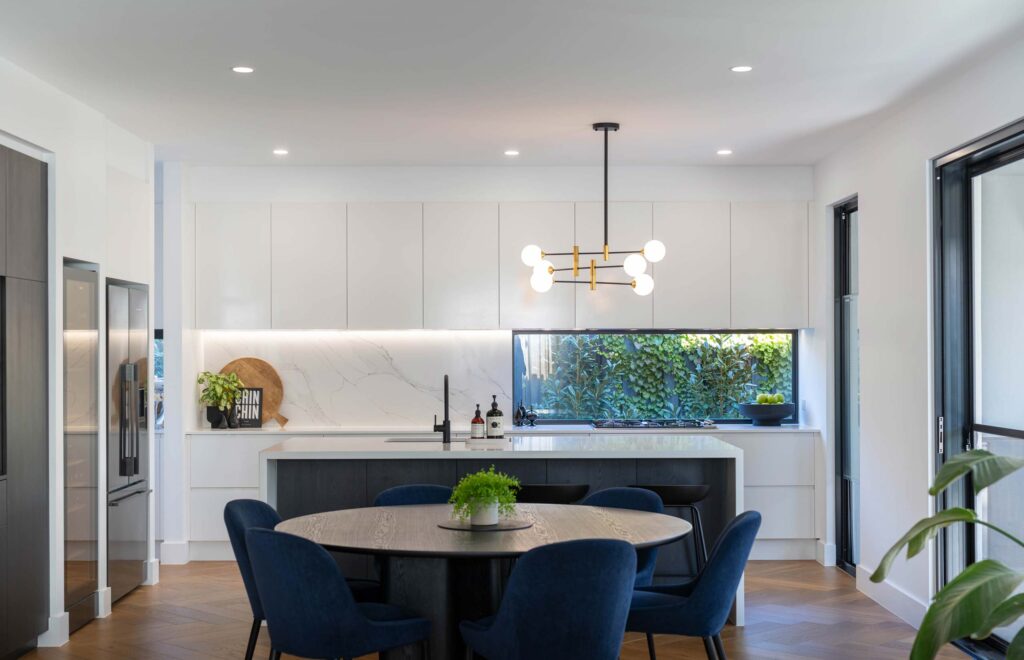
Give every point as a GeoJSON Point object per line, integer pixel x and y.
{"type": "Point", "coordinates": [600, 473]}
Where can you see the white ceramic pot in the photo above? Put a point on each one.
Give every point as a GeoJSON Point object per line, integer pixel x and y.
{"type": "Point", "coordinates": [484, 514]}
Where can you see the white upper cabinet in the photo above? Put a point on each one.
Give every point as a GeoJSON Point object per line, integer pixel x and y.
{"type": "Point", "coordinates": [549, 225]}
{"type": "Point", "coordinates": [233, 265]}
{"type": "Point", "coordinates": [769, 265]}
{"type": "Point", "coordinates": [460, 266]}
{"type": "Point", "coordinates": [691, 284]}
{"type": "Point", "coordinates": [309, 288]}
{"type": "Point", "coordinates": [385, 266]}
{"type": "Point", "coordinates": [611, 305]}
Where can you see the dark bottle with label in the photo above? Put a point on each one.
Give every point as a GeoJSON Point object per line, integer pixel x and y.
{"type": "Point", "coordinates": [495, 420]}
{"type": "Point", "coordinates": [476, 427]}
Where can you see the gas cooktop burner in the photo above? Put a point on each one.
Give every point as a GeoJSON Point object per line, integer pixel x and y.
{"type": "Point", "coordinates": [654, 424]}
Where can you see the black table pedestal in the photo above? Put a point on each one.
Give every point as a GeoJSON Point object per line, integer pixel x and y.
{"type": "Point", "coordinates": [445, 591]}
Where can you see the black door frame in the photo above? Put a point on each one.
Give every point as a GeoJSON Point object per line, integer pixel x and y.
{"type": "Point", "coordinates": [843, 496]}
{"type": "Point", "coordinates": [953, 333]}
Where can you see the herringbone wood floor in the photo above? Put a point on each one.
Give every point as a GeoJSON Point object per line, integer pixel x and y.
{"type": "Point", "coordinates": [795, 609]}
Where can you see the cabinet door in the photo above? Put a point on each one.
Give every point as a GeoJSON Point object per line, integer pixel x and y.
{"type": "Point", "coordinates": [611, 305]}
{"type": "Point", "coordinates": [25, 390]}
{"type": "Point", "coordinates": [233, 266]}
{"type": "Point", "coordinates": [460, 266]}
{"type": "Point", "coordinates": [549, 225]}
{"type": "Point", "coordinates": [385, 266]}
{"type": "Point", "coordinates": [309, 288]}
{"type": "Point", "coordinates": [692, 281]}
{"type": "Point", "coordinates": [26, 217]}
{"type": "Point", "coordinates": [769, 265]}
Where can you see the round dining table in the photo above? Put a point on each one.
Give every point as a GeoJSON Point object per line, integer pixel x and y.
{"type": "Point", "coordinates": [448, 575]}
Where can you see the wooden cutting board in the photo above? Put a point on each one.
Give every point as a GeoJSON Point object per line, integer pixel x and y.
{"type": "Point", "coordinates": [255, 372]}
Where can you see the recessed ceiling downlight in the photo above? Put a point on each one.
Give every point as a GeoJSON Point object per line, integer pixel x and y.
{"type": "Point", "coordinates": [512, 152]}
{"type": "Point", "coordinates": [742, 68]}
{"type": "Point", "coordinates": [724, 152]}
{"type": "Point", "coordinates": [280, 152]}
{"type": "Point", "coordinates": [242, 69]}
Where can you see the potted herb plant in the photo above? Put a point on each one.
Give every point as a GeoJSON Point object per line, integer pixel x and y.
{"type": "Point", "coordinates": [981, 598]}
{"type": "Point", "coordinates": [219, 393]}
{"type": "Point", "coordinates": [481, 497]}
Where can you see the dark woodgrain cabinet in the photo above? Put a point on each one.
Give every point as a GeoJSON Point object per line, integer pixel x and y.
{"type": "Point", "coordinates": [24, 469]}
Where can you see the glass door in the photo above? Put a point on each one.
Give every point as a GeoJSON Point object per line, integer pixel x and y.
{"type": "Point", "coordinates": [847, 387]}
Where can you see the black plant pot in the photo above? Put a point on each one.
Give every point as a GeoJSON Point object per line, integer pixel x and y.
{"type": "Point", "coordinates": [767, 414]}
{"type": "Point", "coordinates": [216, 418]}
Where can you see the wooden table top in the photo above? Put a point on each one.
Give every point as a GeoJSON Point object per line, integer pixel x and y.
{"type": "Point", "coordinates": [412, 530]}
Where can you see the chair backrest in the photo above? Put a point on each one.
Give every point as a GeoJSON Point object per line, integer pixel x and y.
{"type": "Point", "coordinates": [638, 499]}
{"type": "Point", "coordinates": [413, 494]}
{"type": "Point", "coordinates": [568, 600]}
{"type": "Point", "coordinates": [712, 596]}
{"type": "Point", "coordinates": [239, 517]}
{"type": "Point", "coordinates": [309, 608]}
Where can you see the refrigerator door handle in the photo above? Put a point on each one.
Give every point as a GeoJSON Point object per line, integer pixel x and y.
{"type": "Point", "coordinates": [136, 422]}
{"type": "Point", "coordinates": [124, 421]}
{"type": "Point", "coordinates": [118, 501]}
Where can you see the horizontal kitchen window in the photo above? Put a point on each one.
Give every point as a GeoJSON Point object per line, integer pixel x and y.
{"type": "Point", "coordinates": [655, 375]}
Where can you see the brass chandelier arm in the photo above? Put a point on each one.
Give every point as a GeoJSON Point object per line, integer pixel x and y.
{"type": "Point", "coordinates": [558, 270]}
{"type": "Point", "coordinates": [587, 282]}
{"type": "Point", "coordinates": [601, 252]}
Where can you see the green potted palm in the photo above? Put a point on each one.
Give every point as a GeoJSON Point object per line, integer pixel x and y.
{"type": "Point", "coordinates": [981, 598]}
{"type": "Point", "coordinates": [483, 497]}
{"type": "Point", "coordinates": [219, 393]}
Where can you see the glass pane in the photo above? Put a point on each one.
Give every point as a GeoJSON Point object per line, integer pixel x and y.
{"type": "Point", "coordinates": [650, 376]}
{"type": "Point", "coordinates": [854, 222]}
{"type": "Point", "coordinates": [851, 419]}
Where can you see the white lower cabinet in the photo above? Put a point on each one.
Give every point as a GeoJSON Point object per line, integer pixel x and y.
{"type": "Point", "coordinates": [549, 225]}
{"type": "Point", "coordinates": [460, 266]}
{"type": "Point", "coordinates": [611, 305]}
{"type": "Point", "coordinates": [233, 266]}
{"type": "Point", "coordinates": [308, 266]}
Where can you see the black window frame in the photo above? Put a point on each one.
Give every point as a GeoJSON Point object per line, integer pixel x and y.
{"type": "Point", "coordinates": [794, 333]}
{"type": "Point", "coordinates": [843, 498]}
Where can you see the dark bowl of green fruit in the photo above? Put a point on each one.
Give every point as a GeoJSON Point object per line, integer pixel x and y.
{"type": "Point", "coordinates": [768, 409]}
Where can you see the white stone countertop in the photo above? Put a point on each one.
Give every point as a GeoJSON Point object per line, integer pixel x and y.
{"type": "Point", "coordinates": [542, 430]}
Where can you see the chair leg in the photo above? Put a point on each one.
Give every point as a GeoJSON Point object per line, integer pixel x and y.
{"type": "Point", "coordinates": [650, 647]}
{"type": "Point", "coordinates": [700, 548]}
{"type": "Point", "coordinates": [254, 634]}
{"type": "Point", "coordinates": [469, 653]}
{"type": "Point", "coordinates": [425, 644]}
{"type": "Point", "coordinates": [275, 655]}
{"type": "Point", "coordinates": [709, 648]}
{"type": "Point", "coordinates": [719, 649]}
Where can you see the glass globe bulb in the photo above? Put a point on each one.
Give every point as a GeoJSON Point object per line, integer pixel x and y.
{"type": "Point", "coordinates": [654, 250]}
{"type": "Point", "coordinates": [531, 254]}
{"type": "Point", "coordinates": [541, 282]}
{"type": "Point", "coordinates": [643, 284]}
{"type": "Point", "coordinates": [543, 266]}
{"type": "Point", "coordinates": [634, 265]}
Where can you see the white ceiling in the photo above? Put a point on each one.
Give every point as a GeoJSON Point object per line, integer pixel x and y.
{"type": "Point", "coordinates": [459, 81]}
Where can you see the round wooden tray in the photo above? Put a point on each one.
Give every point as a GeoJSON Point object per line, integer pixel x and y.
{"type": "Point", "coordinates": [502, 526]}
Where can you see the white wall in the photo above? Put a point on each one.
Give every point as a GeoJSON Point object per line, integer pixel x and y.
{"type": "Point", "coordinates": [101, 211]}
{"type": "Point", "coordinates": [888, 168]}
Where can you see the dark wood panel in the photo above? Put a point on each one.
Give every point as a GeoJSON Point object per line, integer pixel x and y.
{"type": "Point", "coordinates": [305, 487]}
{"type": "Point", "coordinates": [527, 470]}
{"type": "Point", "coordinates": [381, 475]}
{"type": "Point", "coordinates": [6, 643]}
{"type": "Point", "coordinates": [25, 390]}
{"type": "Point", "coordinates": [26, 246]}
{"type": "Point", "coordinates": [599, 473]}
{"type": "Point", "coordinates": [4, 161]}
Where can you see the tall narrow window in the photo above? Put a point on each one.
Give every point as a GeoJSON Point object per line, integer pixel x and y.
{"type": "Point", "coordinates": [847, 386]}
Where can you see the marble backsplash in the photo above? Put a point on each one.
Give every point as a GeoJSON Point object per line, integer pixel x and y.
{"type": "Point", "coordinates": [375, 378]}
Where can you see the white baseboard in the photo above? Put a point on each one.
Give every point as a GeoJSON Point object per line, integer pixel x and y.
{"type": "Point", "coordinates": [210, 551]}
{"type": "Point", "coordinates": [152, 572]}
{"type": "Point", "coordinates": [826, 553]}
{"type": "Point", "coordinates": [173, 552]}
{"type": "Point", "coordinates": [891, 597]}
{"type": "Point", "coordinates": [780, 549]}
{"type": "Point", "coordinates": [57, 632]}
{"type": "Point", "coordinates": [103, 603]}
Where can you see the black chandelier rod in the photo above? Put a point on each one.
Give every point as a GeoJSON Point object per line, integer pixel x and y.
{"type": "Point", "coordinates": [606, 189]}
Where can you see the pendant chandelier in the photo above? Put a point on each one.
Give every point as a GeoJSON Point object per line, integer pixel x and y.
{"type": "Point", "coordinates": [634, 264]}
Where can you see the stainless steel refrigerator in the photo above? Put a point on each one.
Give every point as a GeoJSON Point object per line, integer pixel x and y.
{"type": "Point", "coordinates": [128, 485]}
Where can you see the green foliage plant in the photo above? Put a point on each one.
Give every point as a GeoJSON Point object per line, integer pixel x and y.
{"type": "Point", "coordinates": [480, 489]}
{"type": "Point", "coordinates": [981, 598]}
{"type": "Point", "coordinates": [219, 390]}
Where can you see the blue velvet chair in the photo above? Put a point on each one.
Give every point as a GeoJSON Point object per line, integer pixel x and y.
{"type": "Point", "coordinates": [699, 607]}
{"type": "Point", "coordinates": [413, 494]}
{"type": "Point", "coordinates": [243, 515]}
{"type": "Point", "coordinates": [565, 600]}
{"type": "Point", "coordinates": [638, 499]}
{"type": "Point", "coordinates": [310, 610]}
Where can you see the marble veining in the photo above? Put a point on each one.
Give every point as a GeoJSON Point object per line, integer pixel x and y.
{"type": "Point", "coordinates": [368, 378]}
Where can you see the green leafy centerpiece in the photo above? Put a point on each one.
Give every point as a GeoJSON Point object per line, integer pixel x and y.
{"type": "Point", "coordinates": [220, 391]}
{"type": "Point", "coordinates": [982, 597]}
{"type": "Point", "coordinates": [481, 497]}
